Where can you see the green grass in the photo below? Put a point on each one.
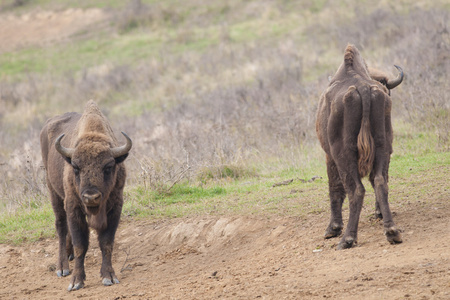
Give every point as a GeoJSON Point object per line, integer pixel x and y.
{"type": "Point", "coordinates": [79, 55]}
{"type": "Point", "coordinates": [27, 225]}
{"type": "Point", "coordinates": [131, 47]}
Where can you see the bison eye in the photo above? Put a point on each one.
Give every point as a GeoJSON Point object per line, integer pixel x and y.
{"type": "Point", "coordinates": [76, 170]}
{"type": "Point", "coordinates": [108, 169]}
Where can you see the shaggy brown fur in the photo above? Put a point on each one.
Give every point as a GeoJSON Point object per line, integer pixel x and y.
{"type": "Point", "coordinates": [354, 129]}
{"type": "Point", "coordinates": [86, 182]}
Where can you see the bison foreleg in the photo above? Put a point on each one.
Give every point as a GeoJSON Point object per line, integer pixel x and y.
{"type": "Point", "coordinates": [106, 242]}
{"type": "Point", "coordinates": [62, 268]}
{"type": "Point", "coordinates": [355, 191]}
{"type": "Point", "coordinates": [378, 213]}
{"type": "Point", "coordinates": [80, 239]}
{"type": "Point", "coordinates": [69, 247]}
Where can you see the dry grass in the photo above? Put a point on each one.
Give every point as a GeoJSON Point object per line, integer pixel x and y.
{"type": "Point", "coordinates": [222, 90]}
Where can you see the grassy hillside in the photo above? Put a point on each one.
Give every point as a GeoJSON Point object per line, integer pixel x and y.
{"type": "Point", "coordinates": [214, 94]}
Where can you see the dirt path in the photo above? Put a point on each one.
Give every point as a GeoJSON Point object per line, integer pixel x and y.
{"type": "Point", "coordinates": [251, 258]}
{"type": "Point", "coordinates": [43, 27]}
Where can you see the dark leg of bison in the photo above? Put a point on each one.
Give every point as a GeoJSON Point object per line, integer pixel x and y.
{"type": "Point", "coordinates": [381, 193]}
{"type": "Point", "coordinates": [379, 176]}
{"type": "Point", "coordinates": [356, 198]}
{"type": "Point", "coordinates": [355, 191]}
{"type": "Point", "coordinates": [380, 185]}
{"type": "Point", "coordinates": [106, 242]}
{"type": "Point", "coordinates": [378, 213]}
{"type": "Point", "coordinates": [80, 240]}
{"type": "Point", "coordinates": [337, 196]}
{"type": "Point", "coordinates": [69, 247]}
{"type": "Point", "coordinates": [342, 146]}
{"type": "Point", "coordinates": [62, 267]}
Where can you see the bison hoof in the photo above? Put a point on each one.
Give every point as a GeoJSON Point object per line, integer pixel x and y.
{"type": "Point", "coordinates": [333, 230]}
{"type": "Point", "coordinates": [70, 257]}
{"type": "Point", "coordinates": [62, 273]}
{"type": "Point", "coordinates": [76, 286]}
{"type": "Point", "coordinates": [378, 215]}
{"type": "Point", "coordinates": [108, 282]}
{"type": "Point", "coordinates": [346, 243]}
{"type": "Point", "coordinates": [393, 235]}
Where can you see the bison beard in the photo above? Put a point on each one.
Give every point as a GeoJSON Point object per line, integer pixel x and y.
{"type": "Point", "coordinates": [354, 129]}
{"type": "Point", "coordinates": [85, 182]}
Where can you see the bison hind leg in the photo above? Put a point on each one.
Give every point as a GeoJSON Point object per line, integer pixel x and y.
{"type": "Point", "coordinates": [337, 196]}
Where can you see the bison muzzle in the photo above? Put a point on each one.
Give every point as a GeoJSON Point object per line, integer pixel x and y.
{"type": "Point", "coordinates": [85, 179]}
{"type": "Point", "coordinates": [354, 129]}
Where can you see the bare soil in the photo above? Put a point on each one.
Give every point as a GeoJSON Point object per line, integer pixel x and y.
{"type": "Point", "coordinates": [40, 27]}
{"type": "Point", "coordinates": [251, 257]}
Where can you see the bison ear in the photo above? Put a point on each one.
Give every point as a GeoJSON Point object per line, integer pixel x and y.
{"type": "Point", "coordinates": [121, 158]}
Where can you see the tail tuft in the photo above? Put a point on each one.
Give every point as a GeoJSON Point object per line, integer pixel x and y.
{"type": "Point", "coordinates": [366, 153]}
{"type": "Point", "coordinates": [366, 144]}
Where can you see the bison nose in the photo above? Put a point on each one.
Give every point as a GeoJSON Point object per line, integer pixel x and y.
{"type": "Point", "coordinates": [92, 198]}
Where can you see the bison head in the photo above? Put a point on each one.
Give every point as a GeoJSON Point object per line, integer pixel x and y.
{"type": "Point", "coordinates": [94, 163]}
{"type": "Point", "coordinates": [355, 65]}
{"type": "Point", "coordinates": [383, 79]}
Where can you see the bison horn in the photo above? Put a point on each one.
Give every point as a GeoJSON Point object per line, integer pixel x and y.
{"type": "Point", "coordinates": [122, 150]}
{"type": "Point", "coordinates": [67, 152]}
{"type": "Point", "coordinates": [395, 82]}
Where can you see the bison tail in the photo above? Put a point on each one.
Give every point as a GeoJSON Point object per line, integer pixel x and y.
{"type": "Point", "coordinates": [366, 145]}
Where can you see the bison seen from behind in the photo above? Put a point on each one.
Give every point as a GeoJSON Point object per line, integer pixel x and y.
{"type": "Point", "coordinates": [85, 179]}
{"type": "Point", "coordinates": [354, 129]}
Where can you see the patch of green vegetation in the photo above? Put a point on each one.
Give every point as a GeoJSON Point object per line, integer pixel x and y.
{"type": "Point", "coordinates": [230, 171]}
{"type": "Point", "coordinates": [182, 40]}
{"type": "Point", "coordinates": [403, 165]}
{"type": "Point", "coordinates": [144, 202]}
{"type": "Point", "coordinates": [317, 6]}
{"type": "Point", "coordinates": [22, 62]}
{"type": "Point", "coordinates": [243, 32]}
{"type": "Point", "coordinates": [79, 55]}
{"type": "Point", "coordinates": [27, 225]}
{"type": "Point", "coordinates": [415, 151]}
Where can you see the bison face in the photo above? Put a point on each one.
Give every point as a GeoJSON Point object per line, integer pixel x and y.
{"type": "Point", "coordinates": [94, 165]}
{"type": "Point", "coordinates": [95, 176]}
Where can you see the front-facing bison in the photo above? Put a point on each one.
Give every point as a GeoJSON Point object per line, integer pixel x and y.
{"type": "Point", "coordinates": [85, 178]}
{"type": "Point", "coordinates": [354, 129]}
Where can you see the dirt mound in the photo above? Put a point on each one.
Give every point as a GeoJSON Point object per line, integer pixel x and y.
{"type": "Point", "coordinates": [250, 257]}
{"type": "Point", "coordinates": [41, 27]}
